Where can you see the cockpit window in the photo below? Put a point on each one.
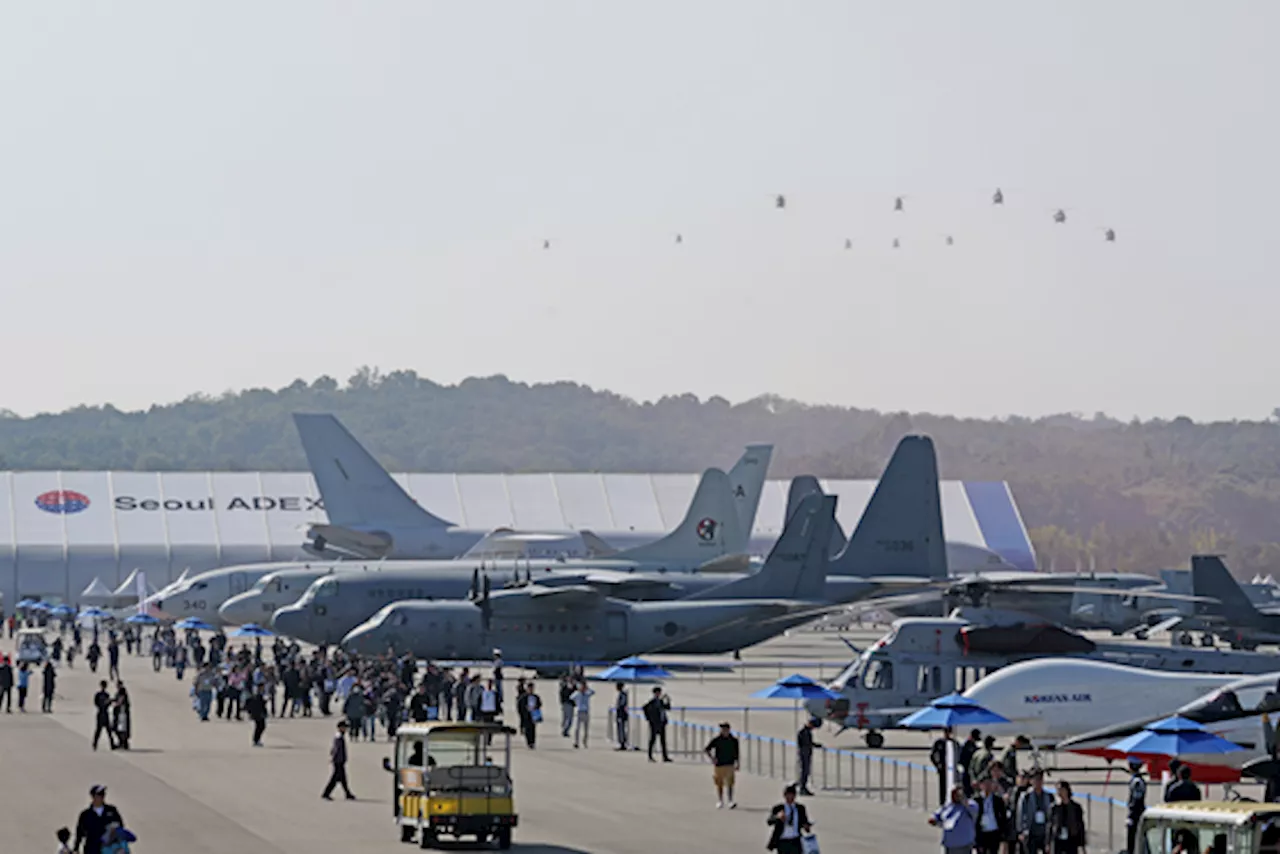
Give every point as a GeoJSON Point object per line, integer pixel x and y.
{"type": "Point", "coordinates": [878, 676]}
{"type": "Point", "coordinates": [1229, 703]}
{"type": "Point", "coordinates": [327, 588]}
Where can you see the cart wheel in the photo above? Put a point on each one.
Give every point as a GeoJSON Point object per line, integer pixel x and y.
{"type": "Point", "coordinates": [874, 739]}
{"type": "Point", "coordinates": [428, 839]}
{"type": "Point", "coordinates": [504, 838]}
{"type": "Point", "coordinates": [406, 833]}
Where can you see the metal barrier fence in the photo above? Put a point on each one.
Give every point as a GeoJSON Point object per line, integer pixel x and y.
{"type": "Point", "coordinates": [882, 778]}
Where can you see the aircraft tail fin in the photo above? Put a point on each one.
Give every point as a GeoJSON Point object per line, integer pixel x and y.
{"type": "Point", "coordinates": [357, 491]}
{"type": "Point", "coordinates": [710, 527]}
{"type": "Point", "coordinates": [746, 478]}
{"type": "Point", "coordinates": [1210, 577]}
{"type": "Point", "coordinates": [900, 532]}
{"type": "Point", "coordinates": [807, 484]}
{"type": "Point", "coordinates": [796, 567]}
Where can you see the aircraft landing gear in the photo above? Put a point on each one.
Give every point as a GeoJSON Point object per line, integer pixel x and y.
{"type": "Point", "coordinates": [1206, 640]}
{"type": "Point", "coordinates": [873, 739]}
{"type": "Point", "coordinates": [1184, 639]}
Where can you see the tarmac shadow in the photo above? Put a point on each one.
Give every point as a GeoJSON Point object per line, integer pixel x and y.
{"type": "Point", "coordinates": [142, 750]}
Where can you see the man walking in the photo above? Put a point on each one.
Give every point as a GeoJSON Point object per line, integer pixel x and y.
{"type": "Point", "coordinates": [6, 683]}
{"type": "Point", "coordinates": [1137, 803]}
{"type": "Point", "coordinates": [622, 714]}
{"type": "Point", "coordinates": [338, 758]}
{"type": "Point", "coordinates": [655, 712]}
{"type": "Point", "coordinates": [256, 706]}
{"type": "Point", "coordinates": [1033, 816]}
{"type": "Point", "coordinates": [102, 703]}
{"type": "Point", "coordinates": [580, 702]}
{"type": "Point", "coordinates": [723, 750]}
{"type": "Point", "coordinates": [804, 752]}
{"type": "Point", "coordinates": [94, 821]}
{"type": "Point", "coordinates": [789, 821]}
{"type": "Point", "coordinates": [566, 705]}
{"type": "Point", "coordinates": [49, 679]}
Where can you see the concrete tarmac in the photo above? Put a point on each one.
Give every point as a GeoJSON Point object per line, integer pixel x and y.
{"type": "Point", "coordinates": [201, 787]}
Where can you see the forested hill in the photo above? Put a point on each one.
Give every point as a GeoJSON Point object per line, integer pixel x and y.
{"type": "Point", "coordinates": [1095, 492]}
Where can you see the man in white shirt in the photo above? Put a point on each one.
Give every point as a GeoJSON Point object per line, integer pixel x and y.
{"type": "Point", "coordinates": [581, 698]}
{"type": "Point", "coordinates": [789, 820]}
{"type": "Point", "coordinates": [489, 703]}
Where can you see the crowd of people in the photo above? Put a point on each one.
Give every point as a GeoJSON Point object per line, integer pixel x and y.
{"type": "Point", "coordinates": [993, 808]}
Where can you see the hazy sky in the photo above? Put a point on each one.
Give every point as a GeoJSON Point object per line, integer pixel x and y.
{"type": "Point", "coordinates": [204, 196]}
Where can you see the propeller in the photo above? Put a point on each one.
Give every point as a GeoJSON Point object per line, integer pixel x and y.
{"type": "Point", "coordinates": [474, 593]}
{"type": "Point", "coordinates": [486, 609]}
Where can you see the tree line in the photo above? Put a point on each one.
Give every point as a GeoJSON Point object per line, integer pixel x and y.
{"type": "Point", "coordinates": [1095, 492]}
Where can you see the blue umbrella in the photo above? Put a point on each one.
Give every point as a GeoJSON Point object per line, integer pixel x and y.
{"type": "Point", "coordinates": [251, 630]}
{"type": "Point", "coordinates": [142, 620]}
{"type": "Point", "coordinates": [1175, 736]}
{"type": "Point", "coordinates": [94, 612]}
{"type": "Point", "coordinates": [951, 710]}
{"type": "Point", "coordinates": [633, 670]}
{"type": "Point", "coordinates": [25, 603]}
{"type": "Point", "coordinates": [194, 623]}
{"type": "Point", "coordinates": [39, 606]}
{"type": "Point", "coordinates": [62, 609]}
{"type": "Point", "coordinates": [796, 687]}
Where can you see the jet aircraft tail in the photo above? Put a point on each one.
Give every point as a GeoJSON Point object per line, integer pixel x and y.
{"type": "Point", "coordinates": [1210, 577]}
{"type": "Point", "coordinates": [710, 528]}
{"type": "Point", "coordinates": [358, 492]}
{"type": "Point", "coordinates": [807, 484]}
{"type": "Point", "coordinates": [900, 532]}
{"type": "Point", "coordinates": [746, 478]}
{"type": "Point", "coordinates": [796, 568]}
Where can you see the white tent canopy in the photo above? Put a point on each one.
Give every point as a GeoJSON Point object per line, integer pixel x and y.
{"type": "Point", "coordinates": [127, 592]}
{"type": "Point", "coordinates": [97, 593]}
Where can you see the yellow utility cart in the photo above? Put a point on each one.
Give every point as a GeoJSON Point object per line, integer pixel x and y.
{"type": "Point", "coordinates": [453, 779]}
{"type": "Point", "coordinates": [1207, 827]}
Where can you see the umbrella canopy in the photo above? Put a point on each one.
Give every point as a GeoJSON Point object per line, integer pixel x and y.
{"type": "Point", "coordinates": [251, 630]}
{"type": "Point", "coordinates": [951, 710]}
{"type": "Point", "coordinates": [1175, 736]}
{"type": "Point", "coordinates": [25, 603]}
{"type": "Point", "coordinates": [62, 609]}
{"type": "Point", "coordinates": [796, 687]}
{"type": "Point", "coordinates": [142, 620]}
{"type": "Point", "coordinates": [94, 612]}
{"type": "Point", "coordinates": [633, 670]}
{"type": "Point", "coordinates": [194, 623]}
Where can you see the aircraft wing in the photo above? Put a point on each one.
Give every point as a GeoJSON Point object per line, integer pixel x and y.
{"type": "Point", "coordinates": [609, 582]}
{"type": "Point", "coordinates": [1128, 592]}
{"type": "Point", "coordinates": [814, 610]}
{"type": "Point", "coordinates": [596, 547]}
{"type": "Point", "coordinates": [553, 597]}
{"type": "Point", "coordinates": [1164, 625]}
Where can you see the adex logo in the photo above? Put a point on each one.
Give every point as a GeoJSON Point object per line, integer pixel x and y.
{"type": "Point", "coordinates": [707, 530]}
{"type": "Point", "coordinates": [1057, 698]}
{"type": "Point", "coordinates": [62, 501]}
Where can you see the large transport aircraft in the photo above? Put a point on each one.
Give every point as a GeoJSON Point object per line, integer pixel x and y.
{"type": "Point", "coordinates": [897, 546]}
{"type": "Point", "coordinates": [922, 658]}
{"type": "Point", "coordinates": [371, 516]}
{"type": "Point", "coordinates": [579, 623]}
{"type": "Point", "coordinates": [709, 532]}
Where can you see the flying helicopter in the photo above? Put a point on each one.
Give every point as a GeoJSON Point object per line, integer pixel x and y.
{"type": "Point", "coordinates": [997, 198]}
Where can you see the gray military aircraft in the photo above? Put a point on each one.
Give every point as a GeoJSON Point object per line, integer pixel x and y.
{"type": "Point", "coordinates": [1227, 611]}
{"type": "Point", "coordinates": [896, 545]}
{"type": "Point", "coordinates": [371, 516]}
{"type": "Point", "coordinates": [923, 658]}
{"type": "Point", "coordinates": [579, 623]}
{"type": "Point", "coordinates": [708, 532]}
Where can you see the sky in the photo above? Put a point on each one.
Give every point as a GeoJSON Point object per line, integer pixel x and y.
{"type": "Point", "coordinates": [199, 197]}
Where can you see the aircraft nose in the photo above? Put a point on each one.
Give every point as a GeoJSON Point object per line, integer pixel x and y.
{"type": "Point", "coordinates": [291, 621]}
{"type": "Point", "coordinates": [238, 609]}
{"type": "Point", "coordinates": [361, 639]}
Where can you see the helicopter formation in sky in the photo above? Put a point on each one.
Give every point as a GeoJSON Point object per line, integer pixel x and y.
{"type": "Point", "coordinates": [1059, 217]}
